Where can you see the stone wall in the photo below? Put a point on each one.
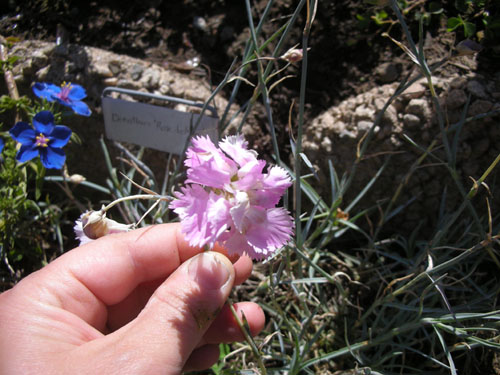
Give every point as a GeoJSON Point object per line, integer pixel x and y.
{"type": "Point", "coordinates": [333, 135]}
{"type": "Point", "coordinates": [95, 69]}
{"type": "Point", "coordinates": [336, 134]}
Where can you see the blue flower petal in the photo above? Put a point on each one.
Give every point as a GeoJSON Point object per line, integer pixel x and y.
{"type": "Point", "coordinates": [60, 136]}
{"type": "Point", "coordinates": [46, 90]}
{"type": "Point", "coordinates": [44, 122]}
{"type": "Point", "coordinates": [23, 133]}
{"type": "Point", "coordinates": [77, 92]}
{"type": "Point", "coordinates": [1, 144]}
{"type": "Point", "coordinates": [80, 108]}
{"type": "Point", "coordinates": [26, 152]}
{"type": "Point", "coordinates": [52, 158]}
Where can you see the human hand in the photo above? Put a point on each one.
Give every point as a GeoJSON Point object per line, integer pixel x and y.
{"type": "Point", "coordinates": [142, 302]}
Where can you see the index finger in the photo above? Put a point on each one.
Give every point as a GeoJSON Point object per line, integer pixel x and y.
{"type": "Point", "coordinates": [89, 278]}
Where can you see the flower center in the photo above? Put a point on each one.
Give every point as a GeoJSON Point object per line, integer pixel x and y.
{"type": "Point", "coordinates": [65, 90]}
{"type": "Point", "coordinates": [42, 141]}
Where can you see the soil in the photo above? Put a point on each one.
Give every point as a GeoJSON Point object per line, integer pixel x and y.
{"type": "Point", "coordinates": [215, 31]}
{"type": "Point", "coordinates": [344, 51]}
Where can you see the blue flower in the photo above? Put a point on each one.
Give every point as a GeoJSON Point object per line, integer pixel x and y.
{"type": "Point", "coordinates": [67, 94]}
{"type": "Point", "coordinates": [1, 144]}
{"type": "Point", "coordinates": [46, 140]}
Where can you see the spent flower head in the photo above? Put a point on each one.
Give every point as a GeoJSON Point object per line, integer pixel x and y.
{"type": "Point", "coordinates": [68, 94]}
{"type": "Point", "coordinates": [94, 224]}
{"type": "Point", "coordinates": [228, 198]}
{"type": "Point", "coordinates": [45, 140]}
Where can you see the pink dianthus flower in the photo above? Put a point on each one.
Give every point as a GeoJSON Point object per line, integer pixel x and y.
{"type": "Point", "coordinates": [228, 198]}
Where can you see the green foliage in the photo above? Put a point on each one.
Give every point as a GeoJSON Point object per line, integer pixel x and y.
{"type": "Point", "coordinates": [22, 104]}
{"type": "Point", "coordinates": [473, 19]}
{"type": "Point", "coordinates": [16, 209]}
{"type": "Point", "coordinates": [8, 64]}
{"type": "Point", "coordinates": [469, 29]}
{"type": "Point", "coordinates": [29, 219]}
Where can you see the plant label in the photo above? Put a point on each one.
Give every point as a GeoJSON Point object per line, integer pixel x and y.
{"type": "Point", "coordinates": [157, 127]}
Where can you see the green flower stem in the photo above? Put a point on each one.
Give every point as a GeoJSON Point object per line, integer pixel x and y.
{"type": "Point", "coordinates": [248, 338]}
{"type": "Point", "coordinates": [478, 183]}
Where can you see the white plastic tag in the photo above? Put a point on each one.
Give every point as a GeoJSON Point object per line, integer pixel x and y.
{"type": "Point", "coordinates": [155, 127]}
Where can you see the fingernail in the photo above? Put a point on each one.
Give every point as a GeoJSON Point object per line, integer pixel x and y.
{"type": "Point", "coordinates": [210, 270]}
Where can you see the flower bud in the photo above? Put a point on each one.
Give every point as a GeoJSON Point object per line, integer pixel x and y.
{"type": "Point", "coordinates": [293, 55]}
{"type": "Point", "coordinates": [76, 178]}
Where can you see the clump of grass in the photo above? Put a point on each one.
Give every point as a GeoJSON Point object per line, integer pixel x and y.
{"type": "Point", "coordinates": [381, 305]}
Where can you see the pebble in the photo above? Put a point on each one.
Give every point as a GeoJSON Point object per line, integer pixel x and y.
{"type": "Point", "coordinates": [111, 81]}
{"type": "Point", "coordinates": [411, 120]}
{"type": "Point", "coordinates": [363, 113]}
{"type": "Point", "coordinates": [418, 107]}
{"type": "Point", "coordinates": [479, 106]}
{"type": "Point", "coordinates": [200, 24]}
{"type": "Point", "coordinates": [102, 70]}
{"type": "Point", "coordinates": [151, 78]}
{"type": "Point", "coordinates": [390, 116]}
{"type": "Point", "coordinates": [136, 72]}
{"type": "Point", "coordinates": [115, 67]}
{"type": "Point", "coordinates": [387, 72]}
{"type": "Point", "coordinates": [416, 90]}
{"type": "Point", "coordinates": [364, 126]}
{"type": "Point", "coordinates": [456, 98]}
{"type": "Point", "coordinates": [477, 89]}
{"type": "Point", "coordinates": [39, 59]}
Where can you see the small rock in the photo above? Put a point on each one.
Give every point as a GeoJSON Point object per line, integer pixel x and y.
{"type": "Point", "coordinates": [390, 117]}
{"type": "Point", "coordinates": [164, 89]}
{"type": "Point", "coordinates": [126, 84]}
{"type": "Point", "coordinates": [363, 113]}
{"type": "Point", "coordinates": [418, 107]}
{"type": "Point", "coordinates": [115, 67]}
{"type": "Point", "coordinates": [39, 59]}
{"type": "Point", "coordinates": [111, 81]}
{"type": "Point", "coordinates": [479, 106]}
{"type": "Point", "coordinates": [379, 103]}
{"type": "Point", "coordinates": [416, 90]}
{"type": "Point", "coordinates": [200, 24]}
{"type": "Point", "coordinates": [25, 69]}
{"type": "Point", "coordinates": [42, 74]}
{"type": "Point", "coordinates": [456, 98]}
{"type": "Point", "coordinates": [347, 134]}
{"type": "Point", "coordinates": [477, 89]}
{"type": "Point", "coordinates": [411, 120]}
{"type": "Point", "coordinates": [364, 126]}
{"type": "Point", "coordinates": [458, 83]}
{"type": "Point", "coordinates": [395, 141]}
{"type": "Point", "coordinates": [136, 72]}
{"type": "Point", "coordinates": [387, 72]}
{"type": "Point", "coordinates": [151, 78]}
{"type": "Point", "coordinates": [326, 144]}
{"type": "Point", "coordinates": [101, 70]}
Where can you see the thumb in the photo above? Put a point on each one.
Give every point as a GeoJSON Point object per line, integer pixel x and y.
{"type": "Point", "coordinates": [178, 314]}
